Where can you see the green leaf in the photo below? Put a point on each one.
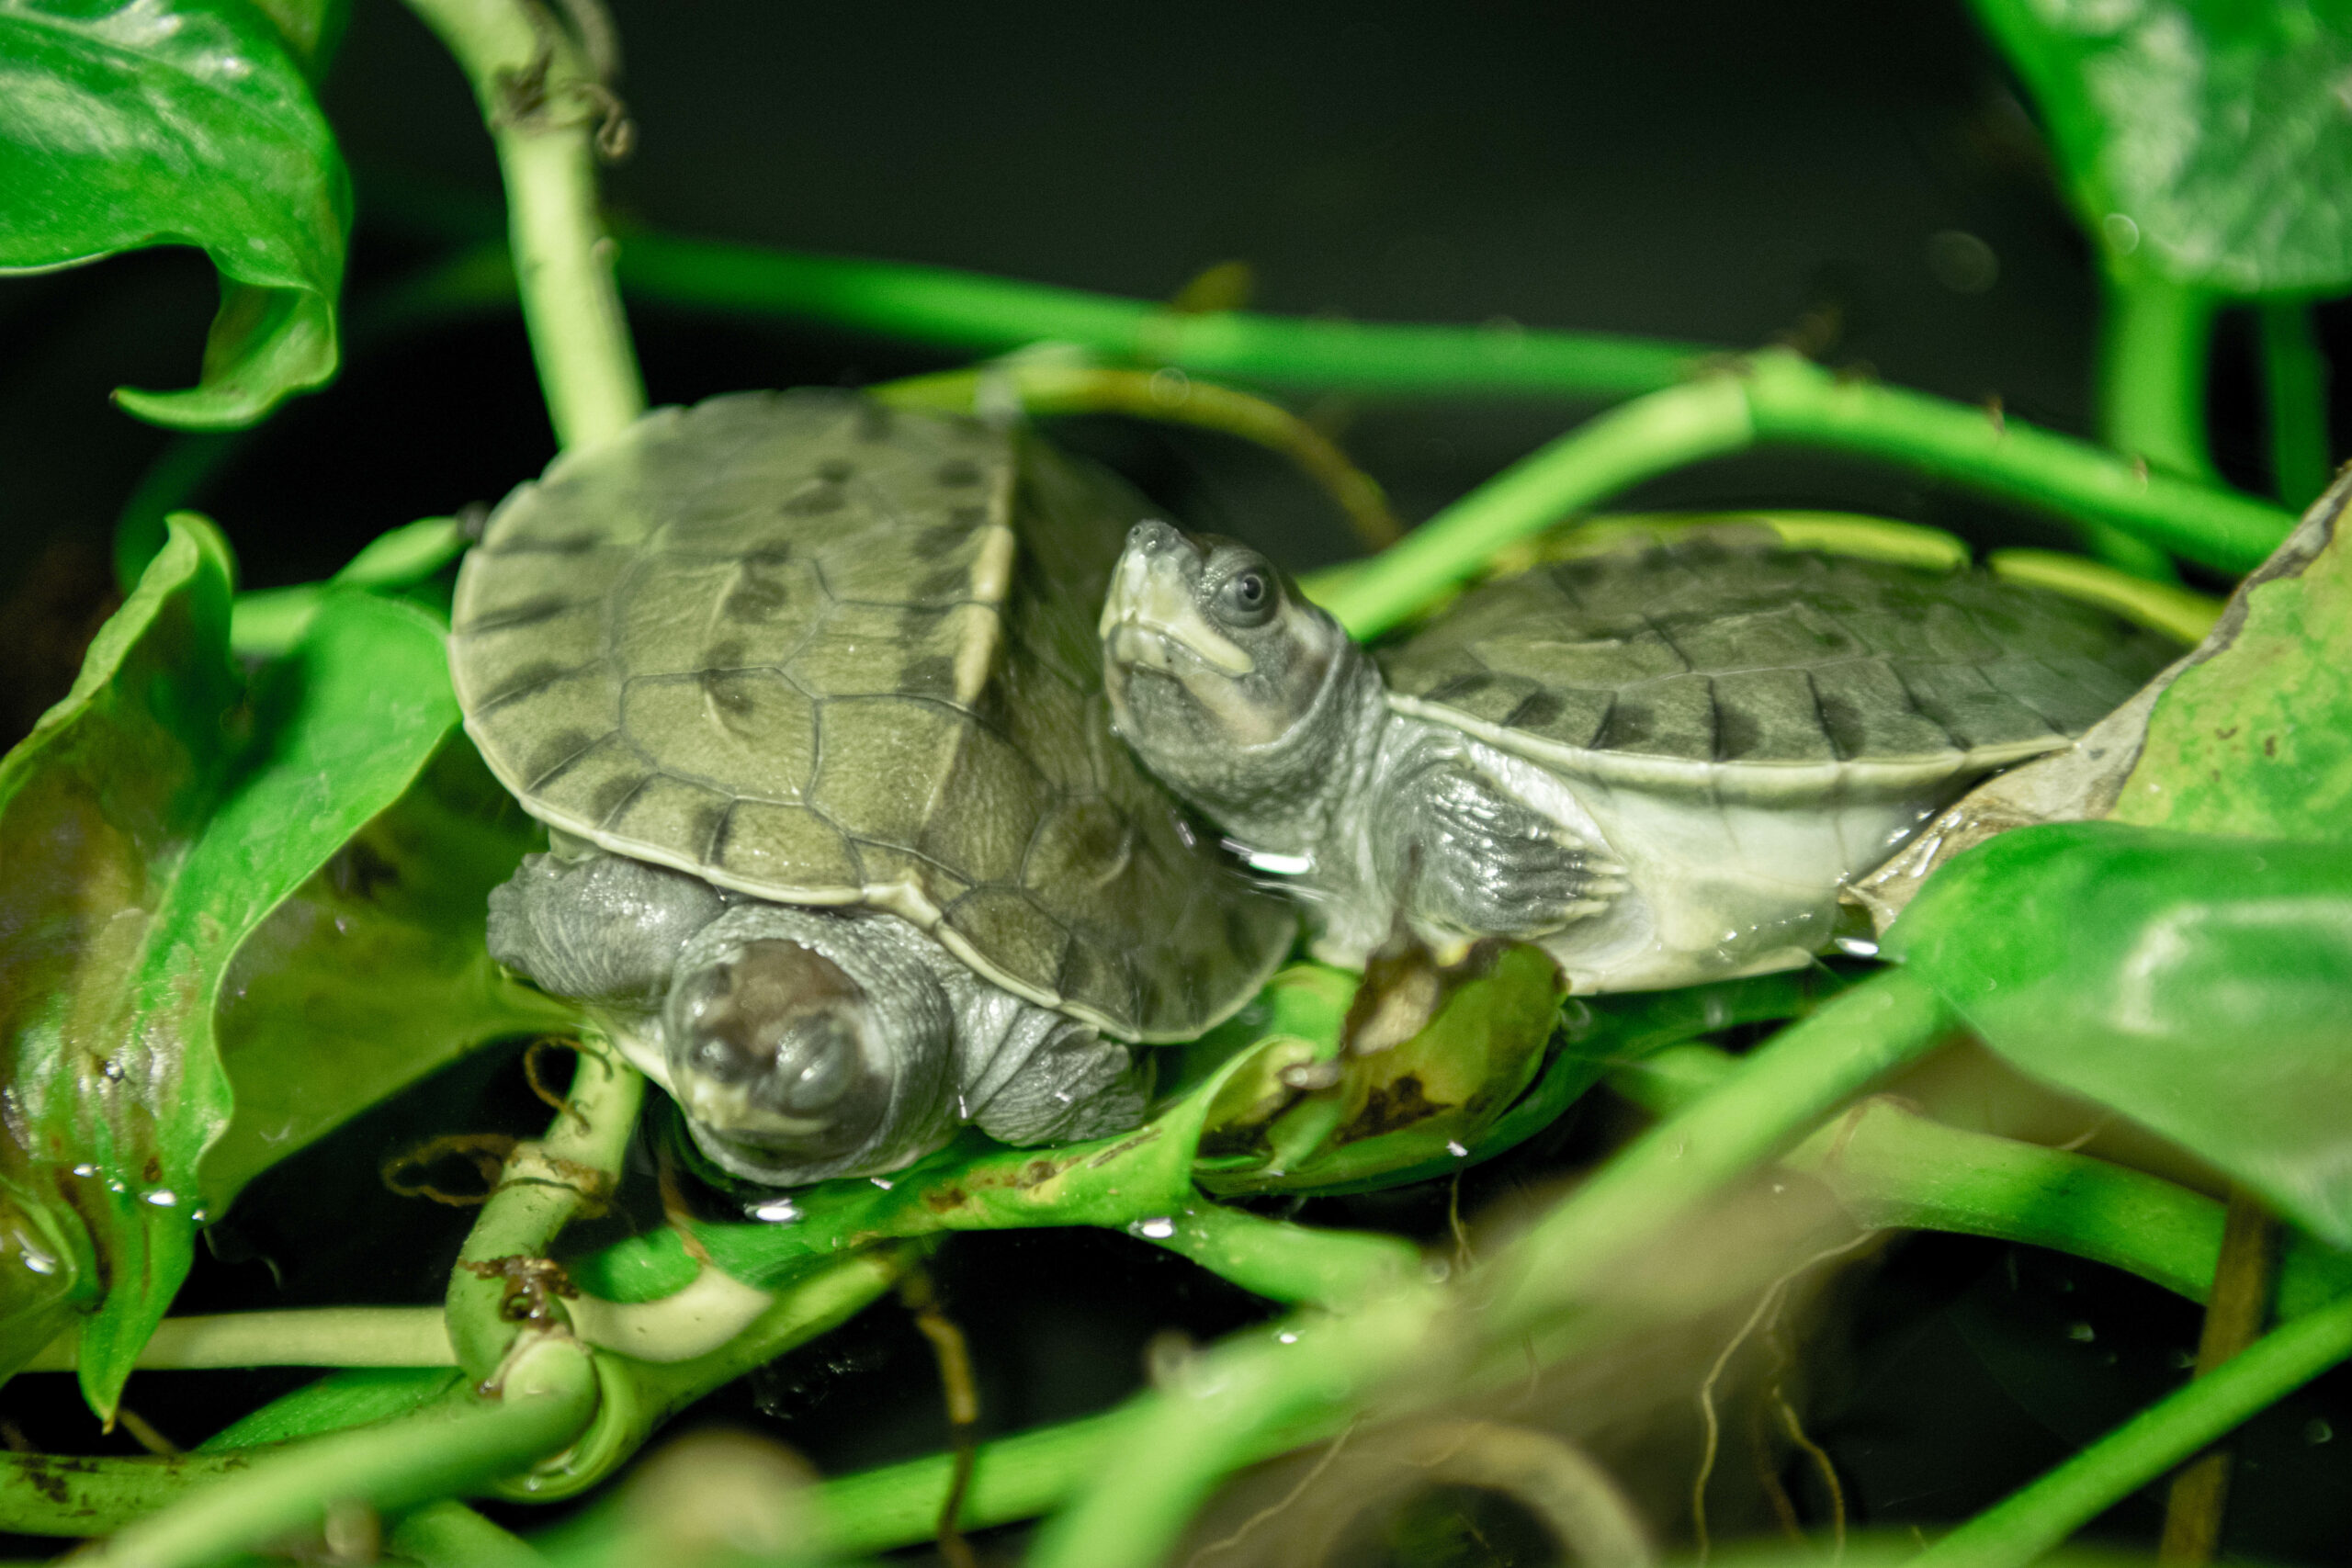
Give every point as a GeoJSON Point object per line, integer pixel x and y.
{"type": "Point", "coordinates": [182, 122]}
{"type": "Point", "coordinates": [2205, 139]}
{"type": "Point", "coordinates": [374, 973]}
{"type": "Point", "coordinates": [2256, 737]}
{"type": "Point", "coordinates": [2199, 986]}
{"type": "Point", "coordinates": [155, 818]}
{"type": "Point", "coordinates": [1478, 1036]}
{"type": "Point", "coordinates": [310, 29]}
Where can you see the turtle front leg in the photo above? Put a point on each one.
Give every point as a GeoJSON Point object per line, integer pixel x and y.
{"type": "Point", "coordinates": [1072, 1085]}
{"type": "Point", "coordinates": [604, 929]}
{"type": "Point", "coordinates": [1467, 859]}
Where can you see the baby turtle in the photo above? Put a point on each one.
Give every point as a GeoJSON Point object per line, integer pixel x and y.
{"type": "Point", "coordinates": [844, 853]}
{"type": "Point", "coordinates": [1662, 762]}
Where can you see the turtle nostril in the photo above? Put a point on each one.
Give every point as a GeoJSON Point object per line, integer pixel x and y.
{"type": "Point", "coordinates": [1151, 536]}
{"type": "Point", "coordinates": [816, 1063]}
{"type": "Point", "coordinates": [723, 1057]}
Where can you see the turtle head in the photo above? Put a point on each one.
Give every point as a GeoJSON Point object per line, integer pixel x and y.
{"type": "Point", "coordinates": [780, 1060]}
{"type": "Point", "coordinates": [1208, 651]}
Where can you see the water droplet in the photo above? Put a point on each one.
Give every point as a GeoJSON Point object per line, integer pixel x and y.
{"type": "Point", "coordinates": [1169, 386]}
{"type": "Point", "coordinates": [1456, 1150]}
{"type": "Point", "coordinates": [2081, 1332]}
{"type": "Point", "coordinates": [1159, 1227]}
{"type": "Point", "coordinates": [1287, 1337]}
{"type": "Point", "coordinates": [117, 1187]}
{"type": "Point", "coordinates": [113, 1069]}
{"type": "Point", "coordinates": [162, 1198]}
{"type": "Point", "coordinates": [2122, 234]}
{"type": "Point", "coordinates": [775, 1211]}
{"type": "Point", "coordinates": [2317, 1431]}
{"type": "Point", "coordinates": [881, 1182]}
{"type": "Point", "coordinates": [1962, 262]}
{"type": "Point", "coordinates": [86, 1171]}
{"type": "Point", "coordinates": [1855, 946]}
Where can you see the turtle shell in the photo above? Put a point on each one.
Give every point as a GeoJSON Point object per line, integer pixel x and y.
{"type": "Point", "coordinates": [822, 651]}
{"type": "Point", "coordinates": [1767, 674]}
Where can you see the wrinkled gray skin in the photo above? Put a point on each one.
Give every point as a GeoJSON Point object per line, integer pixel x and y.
{"type": "Point", "coordinates": [1254, 705]}
{"type": "Point", "coordinates": [803, 1043]}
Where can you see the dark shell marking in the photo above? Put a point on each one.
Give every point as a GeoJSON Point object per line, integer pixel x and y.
{"type": "Point", "coordinates": [823, 653]}
{"type": "Point", "coordinates": [1730, 665]}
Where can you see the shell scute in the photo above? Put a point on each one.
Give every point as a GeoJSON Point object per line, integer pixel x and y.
{"type": "Point", "coordinates": [748, 733]}
{"type": "Point", "coordinates": [1741, 666]}
{"type": "Point", "coordinates": [818, 651]}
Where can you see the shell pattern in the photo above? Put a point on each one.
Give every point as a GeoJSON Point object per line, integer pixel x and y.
{"type": "Point", "coordinates": [822, 651]}
{"type": "Point", "coordinates": [1767, 673]}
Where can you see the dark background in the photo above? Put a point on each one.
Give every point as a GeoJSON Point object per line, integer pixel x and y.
{"type": "Point", "coordinates": [1717, 172]}
{"type": "Point", "coordinates": [1721, 171]}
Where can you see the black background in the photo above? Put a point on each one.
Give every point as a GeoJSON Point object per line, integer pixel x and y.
{"type": "Point", "coordinates": [1716, 172]}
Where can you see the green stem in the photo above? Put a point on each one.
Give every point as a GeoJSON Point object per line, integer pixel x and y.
{"type": "Point", "coordinates": [1892, 1169]}
{"type": "Point", "coordinates": [1802, 1074]}
{"type": "Point", "coordinates": [1169, 397]}
{"type": "Point", "coordinates": [2034, 1521]}
{"type": "Point", "coordinates": [2294, 384]}
{"type": "Point", "coordinates": [537, 97]}
{"type": "Point", "coordinates": [1312, 1368]}
{"type": "Point", "coordinates": [317, 1336]}
{"type": "Point", "coordinates": [973, 313]}
{"type": "Point", "coordinates": [450, 1535]}
{"type": "Point", "coordinates": [353, 1397]}
{"type": "Point", "coordinates": [548, 1395]}
{"type": "Point", "coordinates": [638, 1395]}
{"type": "Point", "coordinates": [1282, 1261]}
{"type": "Point", "coordinates": [2154, 339]}
{"type": "Point", "coordinates": [1777, 397]}
{"type": "Point", "coordinates": [1302, 1375]}
{"type": "Point", "coordinates": [544, 1185]}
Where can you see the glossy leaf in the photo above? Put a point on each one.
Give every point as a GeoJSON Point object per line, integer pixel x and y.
{"type": "Point", "coordinates": [309, 29]}
{"type": "Point", "coordinates": [1599, 1034]}
{"type": "Point", "coordinates": [155, 818]}
{"type": "Point", "coordinates": [1478, 1033]}
{"type": "Point", "coordinates": [2205, 139]}
{"type": "Point", "coordinates": [374, 973]}
{"type": "Point", "coordinates": [2256, 737]}
{"type": "Point", "coordinates": [124, 125]}
{"type": "Point", "coordinates": [2200, 985]}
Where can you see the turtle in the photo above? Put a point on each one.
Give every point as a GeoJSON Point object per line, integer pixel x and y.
{"type": "Point", "coordinates": [842, 851]}
{"type": "Point", "coordinates": [1660, 762]}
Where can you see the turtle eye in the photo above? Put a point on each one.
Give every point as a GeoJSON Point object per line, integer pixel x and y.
{"type": "Point", "coordinates": [1247, 598]}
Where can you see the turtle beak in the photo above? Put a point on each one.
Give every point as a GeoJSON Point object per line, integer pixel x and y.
{"type": "Point", "coordinates": [1152, 618]}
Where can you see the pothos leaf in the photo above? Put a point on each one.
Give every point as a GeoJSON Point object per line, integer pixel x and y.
{"type": "Point", "coordinates": [1472, 1038]}
{"type": "Point", "coordinates": [375, 972]}
{"type": "Point", "coordinates": [2205, 139]}
{"type": "Point", "coordinates": [154, 818]}
{"type": "Point", "coordinates": [2198, 984]}
{"type": "Point", "coordinates": [182, 121]}
{"type": "Point", "coordinates": [2256, 738]}
{"type": "Point", "coordinates": [312, 29]}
